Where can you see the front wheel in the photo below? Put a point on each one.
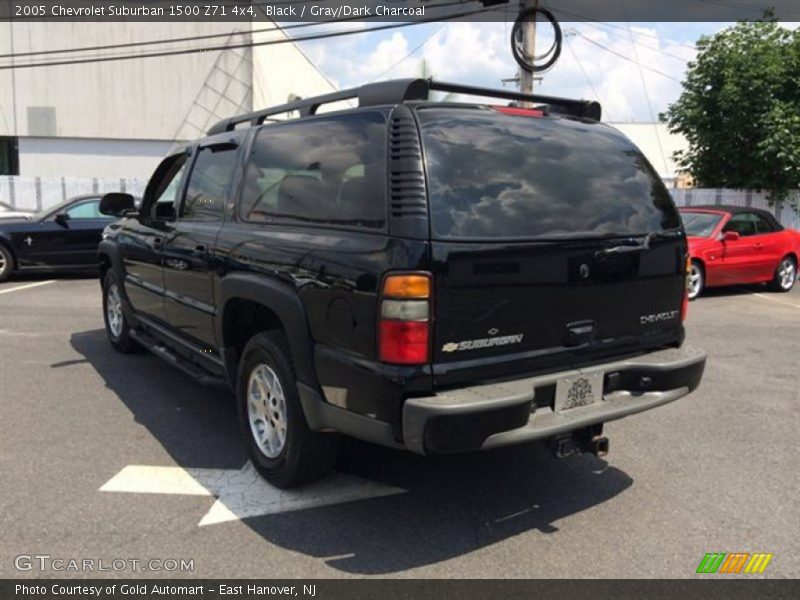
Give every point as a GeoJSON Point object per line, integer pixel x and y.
{"type": "Point", "coordinates": [118, 329]}
{"type": "Point", "coordinates": [6, 263]}
{"type": "Point", "coordinates": [785, 275]}
{"type": "Point", "coordinates": [279, 442]}
{"type": "Point", "coordinates": [697, 280]}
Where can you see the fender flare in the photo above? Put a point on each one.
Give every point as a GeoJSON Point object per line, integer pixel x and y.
{"type": "Point", "coordinates": [281, 299]}
{"type": "Point", "coordinates": [110, 249]}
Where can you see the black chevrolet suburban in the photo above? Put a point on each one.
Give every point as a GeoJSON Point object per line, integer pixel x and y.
{"type": "Point", "coordinates": [434, 276]}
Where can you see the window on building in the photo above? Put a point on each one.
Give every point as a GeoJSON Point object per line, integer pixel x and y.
{"type": "Point", "coordinates": [9, 156]}
{"type": "Point", "coordinates": [324, 170]}
{"type": "Point", "coordinates": [42, 121]}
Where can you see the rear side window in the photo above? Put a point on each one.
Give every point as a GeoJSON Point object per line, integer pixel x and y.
{"type": "Point", "coordinates": [492, 175]}
{"type": "Point", "coordinates": [329, 170]}
{"type": "Point", "coordinates": [208, 184]}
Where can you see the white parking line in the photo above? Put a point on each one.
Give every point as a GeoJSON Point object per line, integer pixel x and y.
{"type": "Point", "coordinates": [27, 286]}
{"type": "Point", "coordinates": [765, 297]}
{"type": "Point", "coordinates": [242, 493]}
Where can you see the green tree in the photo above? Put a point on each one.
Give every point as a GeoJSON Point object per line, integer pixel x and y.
{"type": "Point", "coordinates": [740, 109]}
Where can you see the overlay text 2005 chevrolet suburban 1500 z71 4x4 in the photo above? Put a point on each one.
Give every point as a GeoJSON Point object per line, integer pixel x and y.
{"type": "Point", "coordinates": [439, 277]}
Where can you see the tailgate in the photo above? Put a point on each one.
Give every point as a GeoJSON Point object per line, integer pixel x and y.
{"type": "Point", "coordinates": [554, 243]}
{"type": "Point", "coordinates": [529, 307]}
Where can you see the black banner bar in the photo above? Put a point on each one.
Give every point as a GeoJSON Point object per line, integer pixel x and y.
{"type": "Point", "coordinates": [707, 588]}
{"type": "Point", "coordinates": [320, 11]}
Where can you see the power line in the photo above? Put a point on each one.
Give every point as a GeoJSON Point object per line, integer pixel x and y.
{"type": "Point", "coordinates": [619, 36]}
{"type": "Point", "coordinates": [209, 36]}
{"type": "Point", "coordinates": [647, 98]}
{"type": "Point", "coordinates": [613, 25]}
{"type": "Point", "coordinates": [622, 56]}
{"type": "Point", "coordinates": [410, 54]}
{"type": "Point", "coordinates": [251, 44]}
{"type": "Point", "coordinates": [585, 74]}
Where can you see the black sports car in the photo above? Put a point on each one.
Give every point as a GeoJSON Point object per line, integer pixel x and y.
{"type": "Point", "coordinates": [61, 238]}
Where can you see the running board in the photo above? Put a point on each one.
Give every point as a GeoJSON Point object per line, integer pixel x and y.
{"type": "Point", "coordinates": [189, 368]}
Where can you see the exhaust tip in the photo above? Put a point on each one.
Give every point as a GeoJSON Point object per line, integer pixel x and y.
{"type": "Point", "coordinates": [600, 446]}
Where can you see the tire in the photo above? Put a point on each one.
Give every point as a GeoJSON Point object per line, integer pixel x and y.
{"type": "Point", "coordinates": [279, 443]}
{"type": "Point", "coordinates": [785, 275]}
{"type": "Point", "coordinates": [118, 329]}
{"type": "Point", "coordinates": [6, 263]}
{"type": "Point", "coordinates": [697, 280]}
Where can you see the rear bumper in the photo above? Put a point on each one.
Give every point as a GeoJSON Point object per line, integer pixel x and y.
{"type": "Point", "coordinates": [511, 412]}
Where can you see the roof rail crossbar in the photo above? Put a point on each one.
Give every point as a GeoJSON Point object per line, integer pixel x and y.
{"type": "Point", "coordinates": [402, 90]}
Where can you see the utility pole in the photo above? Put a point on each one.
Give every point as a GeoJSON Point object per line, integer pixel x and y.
{"type": "Point", "coordinates": [526, 78]}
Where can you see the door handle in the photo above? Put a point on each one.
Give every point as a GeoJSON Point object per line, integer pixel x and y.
{"type": "Point", "coordinates": [199, 250]}
{"type": "Point", "coordinates": [157, 242]}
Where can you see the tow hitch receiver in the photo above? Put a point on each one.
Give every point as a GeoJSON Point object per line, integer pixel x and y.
{"type": "Point", "coordinates": [589, 440]}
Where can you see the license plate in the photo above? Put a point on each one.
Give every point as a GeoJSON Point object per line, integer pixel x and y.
{"type": "Point", "coordinates": [578, 391]}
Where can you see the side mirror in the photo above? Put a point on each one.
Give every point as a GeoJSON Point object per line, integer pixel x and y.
{"type": "Point", "coordinates": [116, 204]}
{"type": "Point", "coordinates": [730, 236]}
{"type": "Point", "coordinates": [62, 219]}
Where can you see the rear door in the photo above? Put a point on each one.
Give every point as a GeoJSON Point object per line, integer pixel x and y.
{"type": "Point", "coordinates": [537, 233]}
{"type": "Point", "coordinates": [189, 276]}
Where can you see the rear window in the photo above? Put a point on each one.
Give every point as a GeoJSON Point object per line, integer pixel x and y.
{"type": "Point", "coordinates": [493, 175]}
{"type": "Point", "coordinates": [327, 170]}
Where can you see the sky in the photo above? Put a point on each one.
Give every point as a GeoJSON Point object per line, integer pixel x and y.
{"type": "Point", "coordinates": [598, 60]}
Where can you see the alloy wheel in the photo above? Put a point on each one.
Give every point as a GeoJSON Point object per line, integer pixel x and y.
{"type": "Point", "coordinates": [266, 410]}
{"type": "Point", "coordinates": [786, 273]}
{"type": "Point", "coordinates": [114, 311]}
{"type": "Point", "coordinates": [695, 281]}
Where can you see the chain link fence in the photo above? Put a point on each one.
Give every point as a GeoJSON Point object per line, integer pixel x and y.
{"type": "Point", "coordinates": [36, 193]}
{"type": "Point", "coordinates": [786, 212]}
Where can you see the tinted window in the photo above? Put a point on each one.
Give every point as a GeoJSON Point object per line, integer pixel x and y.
{"type": "Point", "coordinates": [700, 224]}
{"type": "Point", "coordinates": [742, 223]}
{"type": "Point", "coordinates": [208, 184]}
{"type": "Point", "coordinates": [325, 170]}
{"type": "Point", "coordinates": [162, 190]}
{"type": "Point", "coordinates": [86, 210]}
{"type": "Point", "coordinates": [763, 225]}
{"type": "Point", "coordinates": [492, 175]}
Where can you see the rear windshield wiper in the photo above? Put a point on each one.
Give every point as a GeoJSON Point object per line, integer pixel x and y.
{"type": "Point", "coordinates": [645, 245]}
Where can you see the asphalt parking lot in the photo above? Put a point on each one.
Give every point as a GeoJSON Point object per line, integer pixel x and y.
{"type": "Point", "coordinates": [84, 431]}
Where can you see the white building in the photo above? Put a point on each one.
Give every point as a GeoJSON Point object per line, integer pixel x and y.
{"type": "Point", "coordinates": [115, 120]}
{"type": "Point", "coordinates": [658, 145]}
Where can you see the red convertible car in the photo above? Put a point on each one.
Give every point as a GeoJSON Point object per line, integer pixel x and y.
{"type": "Point", "coordinates": [735, 245]}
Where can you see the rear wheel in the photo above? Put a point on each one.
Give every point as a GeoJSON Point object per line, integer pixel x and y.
{"type": "Point", "coordinates": [280, 444]}
{"type": "Point", "coordinates": [118, 329]}
{"type": "Point", "coordinates": [697, 279]}
{"type": "Point", "coordinates": [6, 263]}
{"type": "Point", "coordinates": [785, 275]}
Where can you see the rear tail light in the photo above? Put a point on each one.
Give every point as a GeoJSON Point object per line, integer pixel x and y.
{"type": "Point", "coordinates": [686, 284]}
{"type": "Point", "coordinates": [404, 319]}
